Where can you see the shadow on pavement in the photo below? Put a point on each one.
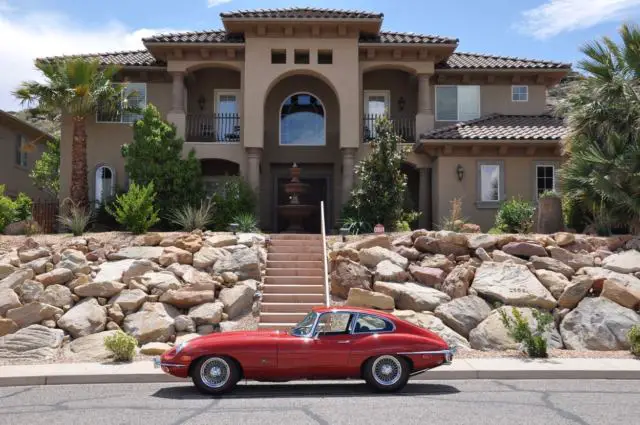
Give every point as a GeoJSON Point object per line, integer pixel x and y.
{"type": "Point", "coordinates": [304, 390]}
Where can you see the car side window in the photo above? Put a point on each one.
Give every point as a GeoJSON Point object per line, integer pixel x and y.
{"type": "Point", "coordinates": [368, 323]}
{"type": "Point", "coordinates": [334, 323]}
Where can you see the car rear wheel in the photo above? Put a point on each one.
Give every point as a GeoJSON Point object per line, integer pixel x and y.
{"type": "Point", "coordinates": [215, 374]}
{"type": "Point", "coordinates": [386, 373]}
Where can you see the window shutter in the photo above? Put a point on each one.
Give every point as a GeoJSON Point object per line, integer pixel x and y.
{"type": "Point", "coordinates": [468, 102]}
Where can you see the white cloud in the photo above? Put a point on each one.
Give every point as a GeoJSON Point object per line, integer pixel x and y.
{"type": "Point", "coordinates": [25, 37]}
{"type": "Point", "coordinates": [557, 16]}
{"type": "Point", "coordinates": [214, 3]}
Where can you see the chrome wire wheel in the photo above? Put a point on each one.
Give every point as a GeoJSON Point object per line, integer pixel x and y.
{"type": "Point", "coordinates": [215, 372]}
{"type": "Point", "coordinates": [386, 370]}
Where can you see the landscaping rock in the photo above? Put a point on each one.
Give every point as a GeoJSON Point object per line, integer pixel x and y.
{"type": "Point", "coordinates": [409, 253]}
{"type": "Point", "coordinates": [192, 243]}
{"type": "Point", "coordinates": [622, 288]}
{"type": "Point", "coordinates": [412, 296]}
{"type": "Point", "coordinates": [129, 300]}
{"type": "Point", "coordinates": [173, 254]}
{"type": "Point", "coordinates": [206, 314]}
{"type": "Point", "coordinates": [371, 257]}
{"type": "Point", "coordinates": [404, 241]}
{"type": "Point", "coordinates": [201, 281]}
{"type": "Point", "coordinates": [245, 263]}
{"type": "Point", "coordinates": [16, 279]}
{"type": "Point", "coordinates": [439, 246]}
{"type": "Point", "coordinates": [229, 278]}
{"type": "Point", "coordinates": [152, 253]}
{"type": "Point", "coordinates": [184, 323]}
{"type": "Point", "coordinates": [363, 298]}
{"type": "Point", "coordinates": [456, 284]}
{"type": "Point", "coordinates": [30, 291]}
{"type": "Point", "coordinates": [390, 272]}
{"type": "Point", "coordinates": [624, 262]}
{"type": "Point", "coordinates": [463, 314]}
{"type": "Point", "coordinates": [40, 265]}
{"type": "Point", "coordinates": [154, 348]}
{"type": "Point", "coordinates": [160, 281]}
{"type": "Point", "coordinates": [598, 324]}
{"type": "Point", "coordinates": [7, 326]}
{"type": "Point", "coordinates": [546, 263]}
{"type": "Point", "coordinates": [524, 249]}
{"type": "Point", "coordinates": [148, 239]}
{"type": "Point", "coordinates": [563, 238]}
{"type": "Point", "coordinates": [35, 344]}
{"type": "Point", "coordinates": [207, 256]}
{"type": "Point", "coordinates": [184, 298]}
{"type": "Point", "coordinates": [381, 241]}
{"type": "Point", "coordinates": [57, 296]}
{"type": "Point", "coordinates": [452, 238]}
{"type": "Point", "coordinates": [137, 268]}
{"type": "Point", "coordinates": [236, 300]}
{"type": "Point", "coordinates": [250, 239]}
{"type": "Point", "coordinates": [554, 282]}
{"type": "Point", "coordinates": [85, 318]}
{"type": "Point", "coordinates": [349, 253]}
{"type": "Point", "coordinates": [113, 271]}
{"type": "Point", "coordinates": [115, 313]}
{"type": "Point", "coordinates": [348, 274]}
{"type": "Point", "coordinates": [575, 291]}
{"type": "Point", "coordinates": [503, 257]}
{"type": "Point", "coordinates": [482, 255]}
{"type": "Point", "coordinates": [426, 275]}
{"type": "Point", "coordinates": [6, 270]}
{"type": "Point", "coordinates": [220, 241]}
{"type": "Point", "coordinates": [91, 347]}
{"type": "Point", "coordinates": [575, 261]}
{"type": "Point", "coordinates": [55, 277]}
{"type": "Point", "coordinates": [438, 261]}
{"type": "Point", "coordinates": [154, 322]}
{"type": "Point", "coordinates": [74, 260]}
{"type": "Point", "coordinates": [32, 313]}
{"type": "Point", "coordinates": [99, 289]}
{"type": "Point", "coordinates": [482, 241]}
{"type": "Point", "coordinates": [33, 254]}
{"type": "Point", "coordinates": [434, 324]}
{"type": "Point", "coordinates": [8, 301]}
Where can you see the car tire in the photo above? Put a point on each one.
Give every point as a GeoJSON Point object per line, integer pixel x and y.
{"type": "Point", "coordinates": [386, 373]}
{"type": "Point", "coordinates": [215, 374]}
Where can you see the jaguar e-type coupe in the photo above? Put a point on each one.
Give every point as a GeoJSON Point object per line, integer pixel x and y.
{"type": "Point", "coordinates": [329, 343]}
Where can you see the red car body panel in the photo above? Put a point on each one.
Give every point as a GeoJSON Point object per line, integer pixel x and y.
{"type": "Point", "coordinates": [279, 356]}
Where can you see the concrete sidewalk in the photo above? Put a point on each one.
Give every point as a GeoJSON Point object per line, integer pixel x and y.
{"type": "Point", "coordinates": [500, 368]}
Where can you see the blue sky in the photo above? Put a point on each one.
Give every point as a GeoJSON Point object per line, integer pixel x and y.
{"type": "Point", "coordinates": [541, 29]}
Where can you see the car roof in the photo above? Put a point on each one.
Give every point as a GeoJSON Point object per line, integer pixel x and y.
{"type": "Point", "coordinates": [349, 309]}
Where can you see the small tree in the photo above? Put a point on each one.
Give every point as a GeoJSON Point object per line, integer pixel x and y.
{"type": "Point", "coordinates": [155, 156]}
{"type": "Point", "coordinates": [134, 209]}
{"type": "Point", "coordinates": [378, 196]}
{"type": "Point", "coordinates": [518, 328]}
{"type": "Point", "coordinates": [233, 197]}
{"type": "Point", "coordinates": [45, 174]}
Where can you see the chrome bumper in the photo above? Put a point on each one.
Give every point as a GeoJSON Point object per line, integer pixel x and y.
{"type": "Point", "coordinates": [157, 363]}
{"type": "Point", "coordinates": [448, 354]}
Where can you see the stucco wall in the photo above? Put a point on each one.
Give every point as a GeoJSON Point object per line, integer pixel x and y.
{"type": "Point", "coordinates": [399, 84]}
{"type": "Point", "coordinates": [203, 82]}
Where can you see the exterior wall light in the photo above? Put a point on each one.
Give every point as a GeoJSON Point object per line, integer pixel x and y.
{"type": "Point", "coordinates": [201, 102]}
{"type": "Point", "coordinates": [401, 103]}
{"type": "Point", "coordinates": [460, 172]}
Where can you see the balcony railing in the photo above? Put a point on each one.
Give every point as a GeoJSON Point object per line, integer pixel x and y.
{"type": "Point", "coordinates": [216, 128]}
{"type": "Point", "coordinates": [404, 127]}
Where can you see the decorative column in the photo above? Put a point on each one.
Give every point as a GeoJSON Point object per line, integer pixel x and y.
{"type": "Point", "coordinates": [425, 119]}
{"type": "Point", "coordinates": [177, 115]}
{"type": "Point", "coordinates": [424, 198]}
{"type": "Point", "coordinates": [254, 155]}
{"type": "Point", "coordinates": [348, 165]}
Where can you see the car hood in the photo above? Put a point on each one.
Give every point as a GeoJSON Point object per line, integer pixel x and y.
{"type": "Point", "coordinates": [234, 335]}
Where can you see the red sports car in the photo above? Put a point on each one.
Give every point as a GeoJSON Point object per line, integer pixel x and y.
{"type": "Point", "coordinates": [329, 343]}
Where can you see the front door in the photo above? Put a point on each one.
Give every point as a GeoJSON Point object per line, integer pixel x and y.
{"type": "Point", "coordinates": [226, 115]}
{"type": "Point", "coordinates": [376, 105]}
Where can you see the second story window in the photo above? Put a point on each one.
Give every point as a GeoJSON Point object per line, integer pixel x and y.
{"type": "Point", "coordinates": [519, 93]}
{"type": "Point", "coordinates": [301, 57]}
{"type": "Point", "coordinates": [457, 103]}
{"type": "Point", "coordinates": [278, 56]}
{"type": "Point", "coordinates": [21, 151]}
{"type": "Point", "coordinates": [325, 57]}
{"type": "Point", "coordinates": [134, 98]}
{"type": "Point", "coordinates": [302, 121]}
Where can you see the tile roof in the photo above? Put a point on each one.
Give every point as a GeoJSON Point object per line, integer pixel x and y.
{"type": "Point", "coordinates": [503, 127]}
{"type": "Point", "coordinates": [300, 13]}
{"type": "Point", "coordinates": [476, 61]}
{"type": "Point", "coordinates": [406, 38]}
{"type": "Point", "coordinates": [211, 36]}
{"type": "Point", "coordinates": [131, 58]}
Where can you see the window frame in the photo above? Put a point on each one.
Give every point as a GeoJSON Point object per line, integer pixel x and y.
{"type": "Point", "coordinates": [479, 89]}
{"type": "Point", "coordinates": [357, 316]}
{"type": "Point", "coordinates": [324, 117]}
{"type": "Point", "coordinates": [327, 54]}
{"type": "Point", "coordinates": [348, 329]}
{"type": "Point", "coordinates": [122, 114]}
{"type": "Point", "coordinates": [20, 143]}
{"type": "Point", "coordinates": [513, 93]}
{"type": "Point", "coordinates": [481, 203]}
{"type": "Point", "coordinates": [556, 168]}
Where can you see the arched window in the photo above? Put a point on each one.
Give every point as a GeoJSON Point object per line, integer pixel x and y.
{"type": "Point", "coordinates": [302, 121]}
{"type": "Point", "coordinates": [105, 183]}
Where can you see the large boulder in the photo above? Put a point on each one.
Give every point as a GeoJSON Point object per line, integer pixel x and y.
{"type": "Point", "coordinates": [624, 262]}
{"type": "Point", "coordinates": [621, 288]}
{"type": "Point", "coordinates": [452, 237]}
{"type": "Point", "coordinates": [55, 277]}
{"type": "Point", "coordinates": [74, 260]}
{"type": "Point", "coordinates": [8, 300]}
{"type": "Point", "coordinates": [409, 253]}
{"type": "Point", "coordinates": [129, 300]}
{"type": "Point", "coordinates": [245, 263]}
{"type": "Point", "coordinates": [200, 281]}
{"type": "Point", "coordinates": [154, 348]}
{"type": "Point", "coordinates": [412, 296]}
{"type": "Point", "coordinates": [206, 314]}
{"type": "Point", "coordinates": [159, 281]}
{"type": "Point", "coordinates": [382, 241]}
{"type": "Point", "coordinates": [137, 268]}
{"type": "Point", "coordinates": [524, 249]}
{"type": "Point", "coordinates": [6, 269]}
{"type": "Point", "coordinates": [456, 284]}
{"type": "Point", "coordinates": [250, 239]}
{"type": "Point", "coordinates": [99, 289]}
{"type": "Point", "coordinates": [437, 261]}
{"type": "Point", "coordinates": [554, 282]}
{"type": "Point", "coordinates": [512, 284]}
{"type": "Point", "coordinates": [173, 254]}
{"type": "Point", "coordinates": [573, 260]}
{"type": "Point", "coordinates": [152, 253]}
{"type": "Point", "coordinates": [575, 291]}
{"type": "Point", "coordinates": [236, 300]}
{"type": "Point", "coordinates": [222, 240]}
{"type": "Point", "coordinates": [57, 296]}
{"type": "Point", "coordinates": [598, 324]}
{"type": "Point", "coordinates": [191, 242]}
{"type": "Point", "coordinates": [491, 334]}
{"type": "Point", "coordinates": [435, 325]}
{"type": "Point", "coordinates": [482, 241]}
{"type": "Point", "coordinates": [207, 256]}
{"type": "Point", "coordinates": [34, 344]}
{"type": "Point", "coordinates": [348, 274]}
{"type": "Point", "coordinates": [429, 276]}
{"type": "Point", "coordinates": [546, 263]}
{"type": "Point", "coordinates": [40, 265]}
{"type": "Point", "coordinates": [390, 272]}
{"type": "Point", "coordinates": [369, 299]}
{"type": "Point", "coordinates": [154, 322]}
{"type": "Point", "coordinates": [32, 313]}
{"type": "Point", "coordinates": [33, 254]}
{"type": "Point", "coordinates": [16, 279]}
{"type": "Point", "coordinates": [30, 291]}
{"type": "Point", "coordinates": [564, 238]}
{"type": "Point", "coordinates": [371, 257]}
{"type": "Point", "coordinates": [463, 314]}
{"type": "Point", "coordinates": [502, 257]}
{"type": "Point", "coordinates": [184, 298]}
{"type": "Point", "coordinates": [439, 246]}
{"type": "Point", "coordinates": [85, 318]}
{"type": "Point", "coordinates": [7, 326]}
{"type": "Point", "coordinates": [91, 347]}
{"type": "Point", "coordinates": [113, 270]}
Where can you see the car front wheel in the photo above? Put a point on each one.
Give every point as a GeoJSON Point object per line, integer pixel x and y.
{"type": "Point", "coordinates": [386, 373]}
{"type": "Point", "coordinates": [215, 374]}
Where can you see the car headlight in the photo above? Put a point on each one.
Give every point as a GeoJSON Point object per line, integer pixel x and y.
{"type": "Point", "coordinates": [181, 347]}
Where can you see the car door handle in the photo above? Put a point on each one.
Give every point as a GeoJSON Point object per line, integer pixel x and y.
{"type": "Point", "coordinates": [344, 342]}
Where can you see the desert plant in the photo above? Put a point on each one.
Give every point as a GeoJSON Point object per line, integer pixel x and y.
{"type": "Point", "coordinates": [233, 196]}
{"type": "Point", "coordinates": [122, 346]}
{"type": "Point", "coordinates": [190, 217]}
{"type": "Point", "coordinates": [135, 209]}
{"type": "Point", "coordinates": [633, 335]}
{"type": "Point", "coordinates": [401, 226]}
{"type": "Point", "coordinates": [515, 216]}
{"type": "Point", "coordinates": [23, 206]}
{"type": "Point", "coordinates": [454, 221]}
{"type": "Point", "coordinates": [7, 209]}
{"type": "Point", "coordinates": [353, 222]}
{"type": "Point", "coordinates": [74, 217]}
{"type": "Point", "coordinates": [246, 222]}
{"type": "Point", "coordinates": [518, 328]}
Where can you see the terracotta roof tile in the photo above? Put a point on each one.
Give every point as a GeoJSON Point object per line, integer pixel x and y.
{"type": "Point", "coordinates": [503, 127]}
{"type": "Point", "coordinates": [211, 36]}
{"type": "Point", "coordinates": [406, 38]}
{"type": "Point", "coordinates": [476, 61]}
{"type": "Point", "coordinates": [300, 13]}
{"type": "Point", "coordinates": [131, 58]}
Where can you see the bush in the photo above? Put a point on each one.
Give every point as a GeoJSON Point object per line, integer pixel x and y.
{"type": "Point", "coordinates": [23, 206]}
{"type": "Point", "coordinates": [402, 226]}
{"type": "Point", "coordinates": [246, 222]}
{"type": "Point", "coordinates": [122, 346]}
{"type": "Point", "coordinates": [518, 328]}
{"type": "Point", "coordinates": [134, 209]}
{"type": "Point", "coordinates": [575, 214]}
{"type": "Point", "coordinates": [454, 221]}
{"type": "Point", "coordinates": [13, 210]}
{"type": "Point", "coordinates": [74, 218]}
{"type": "Point", "coordinates": [515, 216]}
{"type": "Point", "coordinates": [634, 339]}
{"type": "Point", "coordinates": [233, 196]}
{"type": "Point", "coordinates": [189, 217]}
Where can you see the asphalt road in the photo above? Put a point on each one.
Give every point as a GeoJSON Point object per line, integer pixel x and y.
{"type": "Point", "coordinates": [422, 402]}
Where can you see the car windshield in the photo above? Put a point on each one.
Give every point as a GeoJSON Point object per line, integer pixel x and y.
{"type": "Point", "coordinates": [305, 326]}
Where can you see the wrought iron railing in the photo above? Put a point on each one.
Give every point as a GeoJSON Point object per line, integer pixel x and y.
{"type": "Point", "coordinates": [218, 128]}
{"type": "Point", "coordinates": [404, 127]}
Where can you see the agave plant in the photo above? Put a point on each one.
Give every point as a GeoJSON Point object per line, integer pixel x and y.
{"type": "Point", "coordinates": [190, 217]}
{"type": "Point", "coordinates": [246, 222]}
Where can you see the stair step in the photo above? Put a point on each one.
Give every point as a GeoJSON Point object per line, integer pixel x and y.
{"type": "Point", "coordinates": [266, 317]}
{"type": "Point", "coordinates": [294, 280]}
{"type": "Point", "coordinates": [295, 264]}
{"type": "Point", "coordinates": [269, 298]}
{"type": "Point", "coordinates": [276, 326]}
{"type": "Point", "coordinates": [295, 236]}
{"type": "Point", "coordinates": [295, 272]}
{"type": "Point", "coordinates": [293, 289]}
{"type": "Point", "coordinates": [292, 307]}
{"type": "Point", "coordinates": [294, 257]}
{"type": "Point", "coordinates": [296, 242]}
{"type": "Point", "coordinates": [295, 249]}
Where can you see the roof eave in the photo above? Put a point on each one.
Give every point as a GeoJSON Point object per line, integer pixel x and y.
{"type": "Point", "coordinates": [195, 44]}
{"type": "Point", "coordinates": [448, 45]}
{"type": "Point", "coordinates": [462, 70]}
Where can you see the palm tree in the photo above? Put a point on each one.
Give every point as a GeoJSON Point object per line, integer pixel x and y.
{"type": "Point", "coordinates": [602, 172]}
{"type": "Point", "coordinates": [77, 87]}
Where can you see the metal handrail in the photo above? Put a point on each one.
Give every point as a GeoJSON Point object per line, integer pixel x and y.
{"type": "Point", "coordinates": [324, 256]}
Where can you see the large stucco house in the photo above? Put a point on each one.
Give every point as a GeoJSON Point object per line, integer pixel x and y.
{"type": "Point", "coordinates": [304, 85]}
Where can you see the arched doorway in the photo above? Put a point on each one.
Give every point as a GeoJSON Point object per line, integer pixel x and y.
{"type": "Point", "coordinates": [214, 170]}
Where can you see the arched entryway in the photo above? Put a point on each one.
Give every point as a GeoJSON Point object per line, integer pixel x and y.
{"type": "Point", "coordinates": [301, 126]}
{"type": "Point", "coordinates": [214, 170]}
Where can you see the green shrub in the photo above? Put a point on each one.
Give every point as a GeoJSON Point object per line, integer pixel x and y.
{"type": "Point", "coordinates": [353, 222]}
{"type": "Point", "coordinates": [190, 217]}
{"type": "Point", "coordinates": [7, 209]}
{"type": "Point", "coordinates": [575, 214]}
{"type": "Point", "coordinates": [515, 216]}
{"type": "Point", "coordinates": [634, 339]}
{"type": "Point", "coordinates": [401, 226]}
{"type": "Point", "coordinates": [23, 206]}
{"type": "Point", "coordinates": [518, 328]}
{"type": "Point", "coordinates": [495, 231]}
{"type": "Point", "coordinates": [134, 209]}
{"type": "Point", "coordinates": [74, 218]}
{"type": "Point", "coordinates": [246, 222]}
{"type": "Point", "coordinates": [233, 196]}
{"type": "Point", "coordinates": [549, 194]}
{"type": "Point", "coordinates": [122, 346]}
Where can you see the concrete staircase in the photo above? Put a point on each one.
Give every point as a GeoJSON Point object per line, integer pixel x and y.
{"type": "Point", "coordinates": [294, 282]}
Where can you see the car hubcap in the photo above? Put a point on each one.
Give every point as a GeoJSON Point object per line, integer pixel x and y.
{"type": "Point", "coordinates": [387, 370]}
{"type": "Point", "coordinates": [215, 372]}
